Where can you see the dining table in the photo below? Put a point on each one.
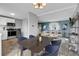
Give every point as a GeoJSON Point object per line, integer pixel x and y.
{"type": "Point", "coordinates": [35, 45]}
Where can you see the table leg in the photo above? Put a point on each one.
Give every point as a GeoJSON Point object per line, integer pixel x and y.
{"type": "Point", "coordinates": [21, 53]}
{"type": "Point", "coordinates": [32, 53]}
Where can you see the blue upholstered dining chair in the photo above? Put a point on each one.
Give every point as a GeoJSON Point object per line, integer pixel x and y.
{"type": "Point", "coordinates": [52, 50]}
{"type": "Point", "coordinates": [20, 41]}
{"type": "Point", "coordinates": [31, 36]}
{"type": "Point", "coordinates": [56, 42]}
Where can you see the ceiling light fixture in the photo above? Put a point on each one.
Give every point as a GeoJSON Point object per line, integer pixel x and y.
{"type": "Point", "coordinates": [12, 14]}
{"type": "Point", "coordinates": [39, 4]}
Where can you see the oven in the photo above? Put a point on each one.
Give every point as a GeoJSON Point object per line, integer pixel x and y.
{"type": "Point", "coordinates": [12, 32]}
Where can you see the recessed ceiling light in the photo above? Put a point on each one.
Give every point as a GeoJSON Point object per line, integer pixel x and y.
{"type": "Point", "coordinates": [12, 14]}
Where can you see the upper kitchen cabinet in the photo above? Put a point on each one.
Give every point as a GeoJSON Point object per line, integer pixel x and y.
{"type": "Point", "coordinates": [4, 20]}
{"type": "Point", "coordinates": [18, 23]}
{"type": "Point", "coordinates": [10, 20]}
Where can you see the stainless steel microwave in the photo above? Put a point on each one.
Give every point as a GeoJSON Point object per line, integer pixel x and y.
{"type": "Point", "coordinates": [11, 24]}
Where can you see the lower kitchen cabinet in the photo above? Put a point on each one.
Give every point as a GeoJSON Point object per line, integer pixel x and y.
{"type": "Point", "coordinates": [8, 46]}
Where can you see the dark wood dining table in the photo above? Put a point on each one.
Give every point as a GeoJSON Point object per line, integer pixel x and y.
{"type": "Point", "coordinates": [35, 46]}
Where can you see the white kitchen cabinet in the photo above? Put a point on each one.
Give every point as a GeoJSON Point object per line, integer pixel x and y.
{"type": "Point", "coordinates": [0, 44]}
{"type": "Point", "coordinates": [11, 20]}
{"type": "Point", "coordinates": [4, 35]}
{"type": "Point", "coordinates": [4, 21]}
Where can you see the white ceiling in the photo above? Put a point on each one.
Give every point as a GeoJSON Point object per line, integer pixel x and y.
{"type": "Point", "coordinates": [21, 9]}
{"type": "Point", "coordinates": [58, 15]}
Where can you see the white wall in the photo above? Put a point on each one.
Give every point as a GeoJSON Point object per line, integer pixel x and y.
{"type": "Point", "coordinates": [25, 28]}
{"type": "Point", "coordinates": [18, 23]}
{"type": "Point", "coordinates": [30, 25]}
{"type": "Point", "coordinates": [33, 24]}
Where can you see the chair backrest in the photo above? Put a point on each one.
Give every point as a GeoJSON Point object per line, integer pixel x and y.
{"type": "Point", "coordinates": [31, 36]}
{"type": "Point", "coordinates": [57, 42]}
{"type": "Point", "coordinates": [28, 43]}
{"type": "Point", "coordinates": [20, 39]}
{"type": "Point", "coordinates": [52, 49]}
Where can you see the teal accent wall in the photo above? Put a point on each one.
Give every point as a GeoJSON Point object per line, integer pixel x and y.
{"type": "Point", "coordinates": [45, 24]}
{"type": "Point", "coordinates": [64, 31]}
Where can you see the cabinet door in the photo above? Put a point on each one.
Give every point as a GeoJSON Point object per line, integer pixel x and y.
{"type": "Point", "coordinates": [10, 20]}
{"type": "Point", "coordinates": [2, 21]}
{"type": "Point", "coordinates": [0, 45]}
{"type": "Point", "coordinates": [4, 35]}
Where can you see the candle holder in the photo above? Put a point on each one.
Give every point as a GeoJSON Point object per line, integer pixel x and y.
{"type": "Point", "coordinates": [40, 39]}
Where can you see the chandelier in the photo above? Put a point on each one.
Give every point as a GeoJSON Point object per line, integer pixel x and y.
{"type": "Point", "coordinates": [39, 4]}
